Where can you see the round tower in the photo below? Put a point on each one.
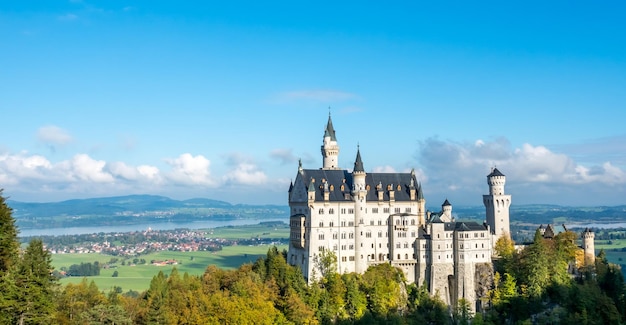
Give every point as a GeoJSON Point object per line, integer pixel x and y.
{"type": "Point", "coordinates": [589, 246]}
{"type": "Point", "coordinates": [330, 148]}
{"type": "Point", "coordinates": [497, 205]}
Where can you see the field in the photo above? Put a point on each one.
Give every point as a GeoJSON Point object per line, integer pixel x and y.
{"type": "Point", "coordinates": [138, 277]}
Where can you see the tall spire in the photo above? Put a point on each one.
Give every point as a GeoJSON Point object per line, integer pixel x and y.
{"type": "Point", "coordinates": [330, 131]}
{"type": "Point", "coordinates": [358, 163]}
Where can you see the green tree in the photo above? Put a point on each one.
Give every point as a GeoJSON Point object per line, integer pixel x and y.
{"type": "Point", "coordinates": [384, 286]}
{"type": "Point", "coordinates": [9, 245]}
{"type": "Point", "coordinates": [534, 268]}
{"type": "Point", "coordinates": [37, 285]}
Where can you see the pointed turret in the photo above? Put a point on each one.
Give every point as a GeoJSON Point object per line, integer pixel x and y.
{"type": "Point", "coordinates": [330, 130]}
{"type": "Point", "coordinates": [330, 148]}
{"type": "Point", "coordinates": [358, 163]}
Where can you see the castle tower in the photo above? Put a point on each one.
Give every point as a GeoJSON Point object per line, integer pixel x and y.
{"type": "Point", "coordinates": [588, 246]}
{"type": "Point", "coordinates": [497, 205]}
{"type": "Point", "coordinates": [359, 194]}
{"type": "Point", "coordinates": [446, 208]}
{"type": "Point", "coordinates": [330, 148]}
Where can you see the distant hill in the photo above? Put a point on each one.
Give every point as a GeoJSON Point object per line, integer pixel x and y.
{"type": "Point", "coordinates": [133, 209]}
{"type": "Point", "coordinates": [137, 209]}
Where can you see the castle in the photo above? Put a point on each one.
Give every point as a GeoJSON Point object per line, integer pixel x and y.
{"type": "Point", "coordinates": [371, 218]}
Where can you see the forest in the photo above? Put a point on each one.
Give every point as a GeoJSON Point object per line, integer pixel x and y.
{"type": "Point", "coordinates": [535, 285]}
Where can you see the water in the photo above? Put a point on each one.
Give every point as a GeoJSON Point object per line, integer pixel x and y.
{"type": "Point", "coordinates": [143, 226]}
{"type": "Point", "coordinates": [598, 225]}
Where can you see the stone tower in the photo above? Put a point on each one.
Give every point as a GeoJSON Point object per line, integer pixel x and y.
{"type": "Point", "coordinates": [330, 148]}
{"type": "Point", "coordinates": [588, 246]}
{"type": "Point", "coordinates": [497, 205]}
{"type": "Point", "coordinates": [359, 195]}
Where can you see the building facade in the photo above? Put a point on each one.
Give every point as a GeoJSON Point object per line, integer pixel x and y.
{"type": "Point", "coordinates": [371, 218]}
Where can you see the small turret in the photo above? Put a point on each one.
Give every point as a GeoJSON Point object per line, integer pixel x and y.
{"type": "Point", "coordinates": [589, 246]}
{"type": "Point", "coordinates": [330, 148]}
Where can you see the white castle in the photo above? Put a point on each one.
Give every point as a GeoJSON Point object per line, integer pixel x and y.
{"type": "Point", "coordinates": [373, 218]}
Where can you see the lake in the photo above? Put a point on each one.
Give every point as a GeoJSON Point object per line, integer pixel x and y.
{"type": "Point", "coordinates": [144, 226]}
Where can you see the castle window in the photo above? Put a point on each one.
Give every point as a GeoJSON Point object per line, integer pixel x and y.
{"type": "Point", "coordinates": [476, 246]}
{"type": "Point", "coordinates": [334, 247]}
{"type": "Point", "coordinates": [437, 235]}
{"type": "Point", "coordinates": [412, 222]}
{"type": "Point", "coordinates": [351, 258]}
{"type": "Point", "coordinates": [397, 245]}
{"type": "Point", "coordinates": [397, 210]}
{"type": "Point", "coordinates": [343, 235]}
{"type": "Point", "coordinates": [343, 188]}
{"type": "Point", "coordinates": [483, 245]}
{"type": "Point", "coordinates": [335, 235]}
{"type": "Point", "coordinates": [351, 247]}
{"type": "Point", "coordinates": [398, 188]}
{"type": "Point", "coordinates": [320, 237]}
{"type": "Point", "coordinates": [343, 223]}
{"type": "Point", "coordinates": [380, 222]}
{"type": "Point", "coordinates": [343, 211]}
{"type": "Point", "coordinates": [350, 223]}
{"type": "Point", "coordinates": [475, 235]}
{"type": "Point", "coordinates": [368, 235]}
{"type": "Point", "coordinates": [413, 234]}
{"type": "Point", "coordinates": [321, 248]}
{"type": "Point", "coordinates": [321, 211]}
{"type": "Point", "coordinates": [331, 224]}
{"type": "Point", "coordinates": [438, 246]}
{"type": "Point", "coordinates": [407, 210]}
{"type": "Point", "coordinates": [351, 236]}
{"type": "Point", "coordinates": [322, 224]}
{"type": "Point", "coordinates": [397, 222]}
{"type": "Point", "coordinates": [367, 187]}
{"type": "Point", "coordinates": [406, 245]}
{"type": "Point", "coordinates": [371, 222]}
{"type": "Point", "coordinates": [343, 247]}
{"type": "Point", "coordinates": [350, 211]}
{"type": "Point", "coordinates": [461, 246]}
{"type": "Point", "coordinates": [373, 257]}
{"type": "Point", "coordinates": [374, 210]}
{"type": "Point", "coordinates": [331, 211]}
{"type": "Point", "coordinates": [380, 234]}
{"type": "Point", "coordinates": [343, 259]}
{"type": "Point", "coordinates": [385, 210]}
{"type": "Point", "coordinates": [482, 234]}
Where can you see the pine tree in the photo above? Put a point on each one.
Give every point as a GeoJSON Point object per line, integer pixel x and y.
{"type": "Point", "coordinates": [9, 245]}
{"type": "Point", "coordinates": [37, 285]}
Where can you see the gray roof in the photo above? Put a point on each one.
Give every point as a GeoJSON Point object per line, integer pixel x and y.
{"type": "Point", "coordinates": [446, 203]}
{"type": "Point", "coordinates": [358, 163]}
{"type": "Point", "coordinates": [337, 178]}
{"type": "Point", "coordinates": [330, 131]}
{"type": "Point", "coordinates": [495, 172]}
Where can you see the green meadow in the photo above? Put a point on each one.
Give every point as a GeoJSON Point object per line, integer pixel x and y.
{"type": "Point", "coordinates": [138, 277]}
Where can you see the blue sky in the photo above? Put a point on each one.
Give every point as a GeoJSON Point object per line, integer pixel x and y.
{"type": "Point", "coordinates": [220, 100]}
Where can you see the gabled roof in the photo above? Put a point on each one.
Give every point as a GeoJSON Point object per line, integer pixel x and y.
{"type": "Point", "coordinates": [446, 203]}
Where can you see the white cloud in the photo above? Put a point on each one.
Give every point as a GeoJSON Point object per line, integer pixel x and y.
{"type": "Point", "coordinates": [53, 135]}
{"type": "Point", "coordinates": [461, 167]}
{"type": "Point", "coordinates": [190, 170]}
{"type": "Point", "coordinates": [246, 174]}
{"type": "Point", "coordinates": [85, 168]}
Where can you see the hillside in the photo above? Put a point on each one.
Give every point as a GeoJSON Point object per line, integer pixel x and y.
{"type": "Point", "coordinates": [133, 209]}
{"type": "Point", "coordinates": [136, 209]}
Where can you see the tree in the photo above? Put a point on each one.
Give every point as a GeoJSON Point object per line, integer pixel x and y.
{"type": "Point", "coordinates": [384, 286]}
{"type": "Point", "coordinates": [9, 245]}
{"type": "Point", "coordinates": [534, 268]}
{"type": "Point", "coordinates": [36, 302]}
